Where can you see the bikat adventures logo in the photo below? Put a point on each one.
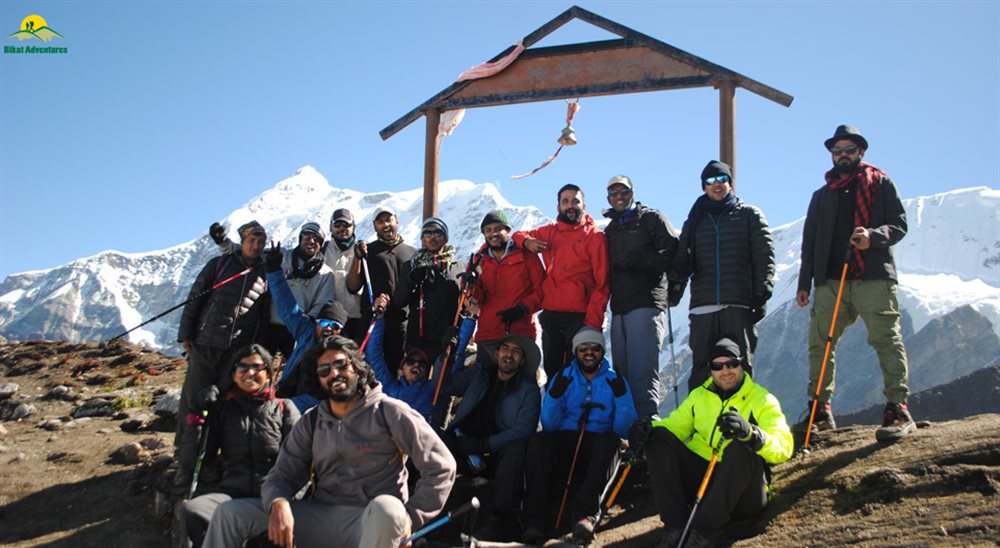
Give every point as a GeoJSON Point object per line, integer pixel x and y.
{"type": "Point", "coordinates": [35, 27]}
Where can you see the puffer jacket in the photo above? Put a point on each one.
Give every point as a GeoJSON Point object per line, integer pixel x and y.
{"type": "Point", "coordinates": [642, 244]}
{"type": "Point", "coordinates": [696, 419]}
{"type": "Point", "coordinates": [440, 301]}
{"type": "Point", "coordinates": [576, 267]}
{"type": "Point", "coordinates": [564, 412]}
{"type": "Point", "coordinates": [247, 432]}
{"type": "Point", "coordinates": [888, 226]}
{"type": "Point", "coordinates": [515, 279]}
{"type": "Point", "coordinates": [232, 312]}
{"type": "Point", "coordinates": [732, 261]}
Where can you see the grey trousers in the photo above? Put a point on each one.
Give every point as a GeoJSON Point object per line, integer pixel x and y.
{"type": "Point", "coordinates": [636, 341]}
{"type": "Point", "coordinates": [192, 523]}
{"type": "Point", "coordinates": [381, 524]}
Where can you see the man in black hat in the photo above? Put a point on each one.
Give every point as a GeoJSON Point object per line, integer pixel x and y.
{"type": "Point", "coordinates": [727, 251]}
{"type": "Point", "coordinates": [857, 214]}
{"type": "Point", "coordinates": [338, 254]}
{"type": "Point", "coordinates": [211, 327]}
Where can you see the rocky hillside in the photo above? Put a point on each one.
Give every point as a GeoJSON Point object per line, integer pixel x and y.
{"type": "Point", "coordinates": [86, 431]}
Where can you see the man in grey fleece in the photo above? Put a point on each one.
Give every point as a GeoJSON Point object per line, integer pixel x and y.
{"type": "Point", "coordinates": [357, 443]}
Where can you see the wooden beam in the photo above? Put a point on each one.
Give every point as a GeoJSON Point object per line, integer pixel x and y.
{"type": "Point", "coordinates": [432, 145]}
{"type": "Point", "coordinates": [727, 125]}
{"type": "Point", "coordinates": [614, 88]}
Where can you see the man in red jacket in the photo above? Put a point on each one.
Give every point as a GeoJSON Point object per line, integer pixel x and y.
{"type": "Point", "coordinates": [575, 290]}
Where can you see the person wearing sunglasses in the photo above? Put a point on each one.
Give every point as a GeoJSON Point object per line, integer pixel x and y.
{"type": "Point", "coordinates": [306, 331]}
{"type": "Point", "coordinates": [213, 326]}
{"type": "Point", "coordinates": [727, 251]}
{"type": "Point", "coordinates": [245, 429]}
{"type": "Point", "coordinates": [354, 446]}
{"type": "Point", "coordinates": [642, 244]}
{"type": "Point", "coordinates": [732, 413]}
{"type": "Point", "coordinates": [858, 214]}
{"type": "Point", "coordinates": [338, 253]}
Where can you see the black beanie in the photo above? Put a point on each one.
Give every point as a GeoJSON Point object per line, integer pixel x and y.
{"type": "Point", "coordinates": [714, 169]}
{"type": "Point", "coordinates": [333, 310]}
{"type": "Point", "coordinates": [495, 216]}
{"type": "Point", "coordinates": [724, 348]}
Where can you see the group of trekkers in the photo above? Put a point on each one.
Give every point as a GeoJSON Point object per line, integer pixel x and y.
{"type": "Point", "coordinates": [378, 340]}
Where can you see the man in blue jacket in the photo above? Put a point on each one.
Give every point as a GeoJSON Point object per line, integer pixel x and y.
{"type": "Point", "coordinates": [587, 393]}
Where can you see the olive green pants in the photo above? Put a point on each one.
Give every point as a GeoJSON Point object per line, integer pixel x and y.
{"type": "Point", "coordinates": [875, 302]}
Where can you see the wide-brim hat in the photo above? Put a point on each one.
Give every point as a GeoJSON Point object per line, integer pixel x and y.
{"type": "Point", "coordinates": [532, 355]}
{"type": "Point", "coordinates": [845, 131]}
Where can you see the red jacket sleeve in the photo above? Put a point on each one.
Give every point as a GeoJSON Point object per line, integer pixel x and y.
{"type": "Point", "coordinates": [598, 304]}
{"type": "Point", "coordinates": [536, 276]}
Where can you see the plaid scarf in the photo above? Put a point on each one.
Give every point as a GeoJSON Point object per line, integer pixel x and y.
{"type": "Point", "coordinates": [442, 260]}
{"type": "Point", "coordinates": [868, 177]}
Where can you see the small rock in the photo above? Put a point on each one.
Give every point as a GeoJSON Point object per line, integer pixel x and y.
{"type": "Point", "coordinates": [8, 389]}
{"type": "Point", "coordinates": [169, 404]}
{"type": "Point", "coordinates": [153, 444]}
{"type": "Point", "coordinates": [105, 431]}
{"type": "Point", "coordinates": [18, 458]}
{"type": "Point", "coordinates": [3, 449]}
{"type": "Point", "coordinates": [132, 425]}
{"type": "Point", "coordinates": [80, 420]}
{"type": "Point", "coordinates": [23, 411]}
{"type": "Point", "coordinates": [97, 407]}
{"type": "Point", "coordinates": [59, 391]}
{"type": "Point", "coordinates": [3, 431]}
{"type": "Point", "coordinates": [120, 416]}
{"type": "Point", "coordinates": [52, 424]}
{"type": "Point", "coordinates": [162, 459]}
{"type": "Point", "coordinates": [130, 453]}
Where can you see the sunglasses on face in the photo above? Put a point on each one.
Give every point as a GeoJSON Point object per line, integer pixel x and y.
{"type": "Point", "coordinates": [850, 149]}
{"type": "Point", "coordinates": [324, 369]}
{"type": "Point", "coordinates": [341, 224]}
{"type": "Point", "coordinates": [416, 361]}
{"type": "Point", "coordinates": [716, 179]}
{"type": "Point", "coordinates": [329, 324]}
{"type": "Point", "coordinates": [430, 233]}
{"type": "Point", "coordinates": [731, 364]}
{"type": "Point", "coordinates": [244, 367]}
{"type": "Point", "coordinates": [311, 236]}
{"type": "Point", "coordinates": [258, 233]}
{"type": "Point", "coordinates": [616, 193]}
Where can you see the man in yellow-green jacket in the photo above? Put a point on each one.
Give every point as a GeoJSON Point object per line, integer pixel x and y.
{"type": "Point", "coordinates": [728, 411]}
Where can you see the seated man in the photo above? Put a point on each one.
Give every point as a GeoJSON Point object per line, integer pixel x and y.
{"type": "Point", "coordinates": [728, 412]}
{"type": "Point", "coordinates": [329, 321]}
{"type": "Point", "coordinates": [498, 413]}
{"type": "Point", "coordinates": [354, 446]}
{"type": "Point", "coordinates": [589, 395]}
{"type": "Point", "coordinates": [246, 428]}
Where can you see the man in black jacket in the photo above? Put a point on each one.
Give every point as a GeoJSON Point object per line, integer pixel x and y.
{"type": "Point", "coordinates": [212, 326]}
{"type": "Point", "coordinates": [857, 214]}
{"type": "Point", "coordinates": [385, 257]}
{"type": "Point", "coordinates": [641, 244]}
{"type": "Point", "coordinates": [727, 250]}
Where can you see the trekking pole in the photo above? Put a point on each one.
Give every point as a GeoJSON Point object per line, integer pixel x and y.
{"type": "Point", "coordinates": [368, 281]}
{"type": "Point", "coordinates": [701, 490]}
{"type": "Point", "coordinates": [202, 444]}
{"type": "Point", "coordinates": [673, 357]}
{"type": "Point", "coordinates": [472, 505]}
{"type": "Point", "coordinates": [826, 353]}
{"type": "Point", "coordinates": [579, 441]}
{"type": "Point", "coordinates": [371, 327]}
{"type": "Point", "coordinates": [194, 298]}
{"type": "Point", "coordinates": [472, 264]}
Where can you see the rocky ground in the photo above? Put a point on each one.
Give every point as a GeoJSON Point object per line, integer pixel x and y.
{"type": "Point", "coordinates": [82, 452]}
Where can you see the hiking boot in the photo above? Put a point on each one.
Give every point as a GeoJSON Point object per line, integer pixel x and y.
{"type": "Point", "coordinates": [896, 423]}
{"type": "Point", "coordinates": [821, 422]}
{"type": "Point", "coordinates": [533, 535]}
{"type": "Point", "coordinates": [583, 531]}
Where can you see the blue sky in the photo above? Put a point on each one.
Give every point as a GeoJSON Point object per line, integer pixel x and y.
{"type": "Point", "coordinates": [166, 115]}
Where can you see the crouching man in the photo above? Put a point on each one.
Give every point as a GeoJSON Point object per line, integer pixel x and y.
{"type": "Point", "coordinates": [728, 411]}
{"type": "Point", "coordinates": [355, 444]}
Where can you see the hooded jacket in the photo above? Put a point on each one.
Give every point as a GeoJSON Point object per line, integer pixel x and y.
{"type": "Point", "coordinates": [515, 279]}
{"type": "Point", "coordinates": [696, 419]}
{"type": "Point", "coordinates": [232, 311]}
{"type": "Point", "coordinates": [642, 245]}
{"type": "Point", "coordinates": [362, 456]}
{"type": "Point", "coordinates": [564, 412]}
{"type": "Point", "coordinates": [576, 267]}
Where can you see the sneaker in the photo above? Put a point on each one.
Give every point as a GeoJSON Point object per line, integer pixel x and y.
{"type": "Point", "coordinates": [583, 531]}
{"type": "Point", "coordinates": [896, 423]}
{"type": "Point", "coordinates": [821, 422]}
{"type": "Point", "coordinates": [533, 535]}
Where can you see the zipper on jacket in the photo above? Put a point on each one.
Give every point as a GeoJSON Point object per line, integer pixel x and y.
{"type": "Point", "coordinates": [718, 259]}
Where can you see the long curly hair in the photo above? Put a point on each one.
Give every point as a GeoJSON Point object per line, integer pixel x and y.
{"type": "Point", "coordinates": [366, 376]}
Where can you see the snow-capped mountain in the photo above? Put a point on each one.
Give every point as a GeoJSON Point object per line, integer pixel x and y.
{"type": "Point", "coordinates": [949, 291]}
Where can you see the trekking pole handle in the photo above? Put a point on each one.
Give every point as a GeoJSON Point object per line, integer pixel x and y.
{"type": "Point", "coordinates": [473, 504]}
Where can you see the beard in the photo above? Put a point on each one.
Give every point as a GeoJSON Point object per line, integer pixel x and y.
{"type": "Point", "coordinates": [568, 220]}
{"type": "Point", "coordinates": [352, 389]}
{"type": "Point", "coordinates": [847, 168]}
{"type": "Point", "coordinates": [501, 244]}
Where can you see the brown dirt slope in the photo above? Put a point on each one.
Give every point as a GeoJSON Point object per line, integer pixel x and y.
{"type": "Point", "coordinates": [61, 486]}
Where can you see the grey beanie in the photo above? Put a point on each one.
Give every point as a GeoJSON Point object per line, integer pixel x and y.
{"type": "Point", "coordinates": [314, 228]}
{"type": "Point", "coordinates": [435, 223]}
{"type": "Point", "coordinates": [588, 335]}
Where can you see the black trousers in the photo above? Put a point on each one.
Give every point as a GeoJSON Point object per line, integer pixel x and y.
{"type": "Point", "coordinates": [558, 329]}
{"type": "Point", "coordinates": [550, 456]}
{"type": "Point", "coordinates": [738, 487]}
{"type": "Point", "coordinates": [733, 322]}
{"type": "Point", "coordinates": [505, 466]}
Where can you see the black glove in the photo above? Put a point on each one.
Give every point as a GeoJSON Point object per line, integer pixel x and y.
{"type": "Point", "coordinates": [759, 308]}
{"type": "Point", "coordinates": [513, 314]}
{"type": "Point", "coordinates": [638, 433]}
{"type": "Point", "coordinates": [559, 386]}
{"type": "Point", "coordinates": [675, 291]}
{"type": "Point", "coordinates": [360, 250]}
{"type": "Point", "coordinates": [208, 396]}
{"type": "Point", "coordinates": [450, 337]}
{"type": "Point", "coordinates": [217, 232]}
{"type": "Point", "coordinates": [273, 258]}
{"type": "Point", "coordinates": [469, 277]}
{"type": "Point", "coordinates": [420, 275]}
{"type": "Point", "coordinates": [734, 426]}
{"type": "Point", "coordinates": [472, 446]}
{"type": "Point", "coordinates": [617, 386]}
